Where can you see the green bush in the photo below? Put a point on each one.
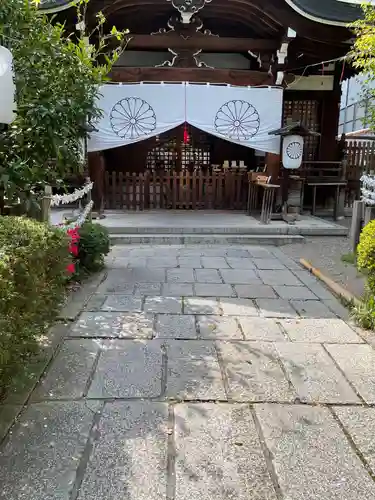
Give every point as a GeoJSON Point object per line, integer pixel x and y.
{"type": "Point", "coordinates": [33, 260]}
{"type": "Point", "coordinates": [366, 254]}
{"type": "Point", "coordinates": [93, 246]}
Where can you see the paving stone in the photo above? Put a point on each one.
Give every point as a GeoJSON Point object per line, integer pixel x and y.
{"type": "Point", "coordinates": [314, 375]}
{"type": "Point", "coordinates": [129, 458]}
{"type": "Point", "coordinates": [268, 264]}
{"type": "Point", "coordinates": [148, 275]}
{"type": "Point", "coordinates": [135, 262]}
{"type": "Point", "coordinates": [162, 262]}
{"type": "Point", "coordinates": [183, 275]}
{"type": "Point", "coordinates": [239, 263]}
{"type": "Point", "coordinates": [218, 327]}
{"type": "Point", "coordinates": [123, 303]}
{"type": "Point", "coordinates": [238, 307]}
{"type": "Point", "coordinates": [201, 305]}
{"type": "Point", "coordinates": [113, 324]}
{"type": "Point", "coordinates": [96, 302]}
{"type": "Point", "coordinates": [178, 289]}
{"type": "Point", "coordinates": [8, 413]}
{"type": "Point", "coordinates": [254, 372]}
{"type": "Point", "coordinates": [279, 278]}
{"type": "Point", "coordinates": [211, 289]}
{"type": "Point", "coordinates": [259, 252]}
{"type": "Point", "coordinates": [163, 305]}
{"type": "Point", "coordinates": [312, 309]}
{"type": "Point", "coordinates": [240, 277]}
{"type": "Point", "coordinates": [311, 455]}
{"type": "Point", "coordinates": [260, 329]}
{"type": "Point", "coordinates": [118, 284]}
{"type": "Point", "coordinates": [238, 253]}
{"type": "Point", "coordinates": [358, 364]}
{"type": "Point", "coordinates": [276, 308]}
{"type": "Point", "coordinates": [70, 371]}
{"type": "Point", "coordinates": [289, 263]}
{"type": "Point", "coordinates": [320, 330]}
{"type": "Point", "coordinates": [294, 292]}
{"type": "Point", "coordinates": [218, 454]}
{"type": "Point", "coordinates": [193, 370]}
{"type": "Point", "coordinates": [255, 291]}
{"type": "Point", "coordinates": [148, 289]}
{"type": "Point", "coordinates": [335, 306]}
{"type": "Point", "coordinates": [360, 424]}
{"type": "Point", "coordinates": [190, 262]}
{"type": "Point", "coordinates": [128, 368]}
{"type": "Point", "coordinates": [315, 285]}
{"type": "Point", "coordinates": [214, 262]}
{"type": "Point", "coordinates": [176, 326]}
{"type": "Point", "coordinates": [40, 459]}
{"type": "Point", "coordinates": [208, 276]}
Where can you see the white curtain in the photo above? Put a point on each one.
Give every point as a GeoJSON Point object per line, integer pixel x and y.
{"type": "Point", "coordinates": [134, 112]}
{"type": "Point", "coordinates": [243, 115]}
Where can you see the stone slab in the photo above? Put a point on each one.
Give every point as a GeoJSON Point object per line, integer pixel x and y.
{"type": "Point", "coordinates": [175, 326]}
{"type": "Point", "coordinates": [214, 262]}
{"type": "Point", "coordinates": [128, 369]}
{"type": "Point", "coordinates": [8, 413]}
{"type": "Point", "coordinates": [358, 364]}
{"type": "Point", "coordinates": [159, 261]}
{"type": "Point", "coordinates": [312, 309]}
{"type": "Point", "coordinates": [163, 305]}
{"type": "Point", "coordinates": [96, 302]}
{"type": "Point", "coordinates": [219, 327]}
{"type": "Point", "coordinates": [240, 263]}
{"type": "Point", "coordinates": [129, 458]}
{"type": "Point", "coordinates": [259, 252]}
{"type": "Point", "coordinates": [39, 460]}
{"type": "Point", "coordinates": [70, 371]}
{"type": "Point", "coordinates": [123, 303]}
{"type": "Point", "coordinates": [148, 275]}
{"type": "Point", "coordinates": [254, 373]}
{"type": "Point", "coordinates": [239, 276]}
{"type": "Point", "coordinates": [279, 278]}
{"type": "Point", "coordinates": [117, 284]}
{"type": "Point", "coordinates": [311, 455]}
{"type": "Point", "coordinates": [183, 275]}
{"type": "Point", "coordinates": [201, 305]}
{"type": "Point", "coordinates": [255, 291]}
{"type": "Point", "coordinates": [190, 262]}
{"type": "Point", "coordinates": [239, 253]}
{"type": "Point", "coordinates": [266, 329]}
{"type": "Point", "coordinates": [335, 306]}
{"type": "Point", "coordinates": [268, 264]}
{"type": "Point", "coordinates": [147, 289]}
{"type": "Point", "coordinates": [319, 330]}
{"type": "Point", "coordinates": [208, 276]}
{"type": "Point", "coordinates": [238, 307]}
{"type": "Point", "coordinates": [113, 324]}
{"type": "Point", "coordinates": [360, 424]}
{"type": "Point", "coordinates": [213, 290]}
{"type": "Point", "coordinates": [314, 375]}
{"type": "Point", "coordinates": [294, 292]}
{"type": "Point", "coordinates": [315, 285]}
{"type": "Point", "coordinates": [276, 308]}
{"type": "Point", "coordinates": [218, 454]}
{"type": "Point", "coordinates": [193, 371]}
{"type": "Point", "coordinates": [177, 289]}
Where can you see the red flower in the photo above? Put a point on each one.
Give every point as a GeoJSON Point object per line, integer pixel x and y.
{"type": "Point", "coordinates": [71, 268]}
{"type": "Point", "coordinates": [73, 249]}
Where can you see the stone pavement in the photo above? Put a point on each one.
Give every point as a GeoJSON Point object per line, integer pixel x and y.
{"type": "Point", "coordinates": [198, 373]}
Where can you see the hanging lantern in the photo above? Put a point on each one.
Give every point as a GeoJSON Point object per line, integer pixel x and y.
{"type": "Point", "coordinates": [186, 135]}
{"type": "Point", "coordinates": [292, 151]}
{"type": "Point", "coordinates": [7, 87]}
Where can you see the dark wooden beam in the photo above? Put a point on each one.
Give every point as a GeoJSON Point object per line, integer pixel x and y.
{"type": "Point", "coordinates": [203, 75]}
{"type": "Point", "coordinates": [205, 42]}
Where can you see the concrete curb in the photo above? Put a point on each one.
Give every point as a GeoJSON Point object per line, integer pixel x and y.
{"type": "Point", "coordinates": [334, 287]}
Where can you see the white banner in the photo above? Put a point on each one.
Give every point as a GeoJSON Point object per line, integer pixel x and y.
{"type": "Point", "coordinates": [237, 114]}
{"type": "Point", "coordinates": [133, 112]}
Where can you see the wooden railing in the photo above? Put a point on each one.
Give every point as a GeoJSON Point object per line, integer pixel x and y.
{"type": "Point", "coordinates": [148, 190]}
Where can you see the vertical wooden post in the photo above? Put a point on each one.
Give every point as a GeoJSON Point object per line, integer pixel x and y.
{"type": "Point", "coordinates": [46, 204]}
{"type": "Point", "coordinates": [89, 198]}
{"type": "Point", "coordinates": [355, 229]}
{"type": "Point", "coordinates": [273, 166]}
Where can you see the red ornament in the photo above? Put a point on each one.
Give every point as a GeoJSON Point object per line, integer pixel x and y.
{"type": "Point", "coordinates": [186, 135]}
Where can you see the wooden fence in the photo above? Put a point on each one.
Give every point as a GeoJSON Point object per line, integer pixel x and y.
{"type": "Point", "coordinates": [361, 158]}
{"type": "Point", "coordinates": [176, 190]}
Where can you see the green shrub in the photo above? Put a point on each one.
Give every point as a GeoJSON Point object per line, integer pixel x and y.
{"type": "Point", "coordinates": [366, 254]}
{"type": "Point", "coordinates": [364, 313]}
{"type": "Point", "coordinates": [33, 260]}
{"type": "Point", "coordinates": [93, 246]}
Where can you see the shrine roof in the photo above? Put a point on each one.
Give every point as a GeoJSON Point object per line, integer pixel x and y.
{"type": "Point", "coordinates": [334, 12]}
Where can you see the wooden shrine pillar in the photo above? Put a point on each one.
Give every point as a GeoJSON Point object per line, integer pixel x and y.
{"type": "Point", "coordinates": [330, 114]}
{"type": "Point", "coordinates": [273, 166]}
{"type": "Point", "coordinates": [96, 164]}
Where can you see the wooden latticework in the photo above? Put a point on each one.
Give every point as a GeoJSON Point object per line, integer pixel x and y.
{"type": "Point", "coordinates": [308, 112]}
{"type": "Point", "coordinates": [176, 190]}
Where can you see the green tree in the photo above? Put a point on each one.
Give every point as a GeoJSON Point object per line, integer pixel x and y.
{"type": "Point", "coordinates": [57, 79]}
{"type": "Point", "coordinates": [362, 56]}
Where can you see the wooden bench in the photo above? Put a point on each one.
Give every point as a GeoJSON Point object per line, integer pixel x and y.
{"type": "Point", "coordinates": [262, 181]}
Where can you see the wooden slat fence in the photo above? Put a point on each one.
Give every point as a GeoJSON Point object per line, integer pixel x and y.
{"type": "Point", "coordinates": [361, 158]}
{"type": "Point", "coordinates": [132, 191]}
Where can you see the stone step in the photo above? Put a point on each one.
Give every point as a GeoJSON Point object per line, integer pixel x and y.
{"type": "Point", "coordinates": [204, 239]}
